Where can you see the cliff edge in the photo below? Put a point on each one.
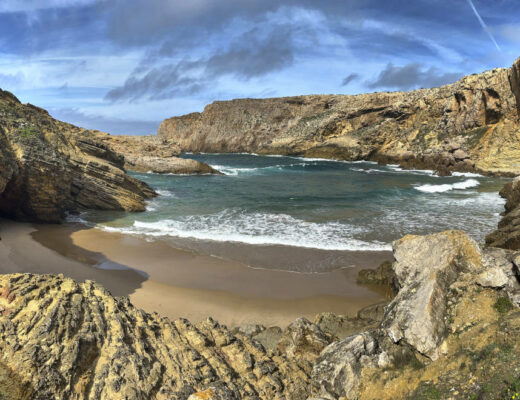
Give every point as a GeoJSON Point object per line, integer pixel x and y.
{"type": "Point", "coordinates": [48, 167]}
{"type": "Point", "coordinates": [471, 125]}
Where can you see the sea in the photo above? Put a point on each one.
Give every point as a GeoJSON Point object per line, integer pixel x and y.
{"type": "Point", "coordinates": [304, 214]}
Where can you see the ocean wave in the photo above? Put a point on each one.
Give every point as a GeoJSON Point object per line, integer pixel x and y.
{"type": "Point", "coordinates": [467, 174]}
{"type": "Point", "coordinates": [467, 184]}
{"type": "Point", "coordinates": [256, 229]}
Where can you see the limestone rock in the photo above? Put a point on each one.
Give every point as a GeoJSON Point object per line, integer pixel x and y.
{"type": "Point", "coordinates": [152, 154]}
{"type": "Point", "coordinates": [48, 167]}
{"type": "Point", "coordinates": [425, 267]}
{"type": "Point", "coordinates": [338, 369]}
{"type": "Point", "coordinates": [69, 340]}
{"type": "Point", "coordinates": [507, 235]}
{"type": "Point", "coordinates": [471, 125]}
{"type": "Point", "coordinates": [303, 340]}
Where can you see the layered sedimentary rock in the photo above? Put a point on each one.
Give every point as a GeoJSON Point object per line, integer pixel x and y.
{"type": "Point", "coordinates": [471, 125]}
{"type": "Point", "coordinates": [153, 154]}
{"type": "Point", "coordinates": [507, 235]}
{"type": "Point", "coordinates": [67, 340]}
{"type": "Point", "coordinates": [48, 167]}
{"type": "Point", "coordinates": [451, 332]}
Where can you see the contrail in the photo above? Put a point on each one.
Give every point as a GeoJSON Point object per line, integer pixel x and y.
{"type": "Point", "coordinates": [483, 24]}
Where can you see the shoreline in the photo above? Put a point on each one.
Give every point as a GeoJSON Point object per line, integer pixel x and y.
{"type": "Point", "coordinates": [176, 283]}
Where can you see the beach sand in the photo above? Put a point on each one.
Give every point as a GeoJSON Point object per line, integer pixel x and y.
{"type": "Point", "coordinates": [176, 283]}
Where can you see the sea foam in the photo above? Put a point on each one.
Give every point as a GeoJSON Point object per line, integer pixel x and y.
{"type": "Point", "coordinates": [467, 184]}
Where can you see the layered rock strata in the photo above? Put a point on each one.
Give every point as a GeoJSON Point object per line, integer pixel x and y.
{"type": "Point", "coordinates": [450, 332]}
{"type": "Point", "coordinates": [471, 125]}
{"type": "Point", "coordinates": [153, 154]}
{"type": "Point", "coordinates": [48, 167]}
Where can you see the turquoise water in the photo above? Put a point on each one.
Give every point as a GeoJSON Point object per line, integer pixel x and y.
{"type": "Point", "coordinates": [308, 204]}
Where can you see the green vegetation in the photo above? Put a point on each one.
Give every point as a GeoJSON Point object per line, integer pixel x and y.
{"type": "Point", "coordinates": [427, 391]}
{"type": "Point", "coordinates": [28, 132]}
{"type": "Point", "coordinates": [503, 305]}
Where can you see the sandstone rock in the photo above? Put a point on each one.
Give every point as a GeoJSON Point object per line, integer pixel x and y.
{"type": "Point", "coordinates": [303, 341]}
{"type": "Point", "coordinates": [337, 370]}
{"type": "Point", "coordinates": [153, 154]}
{"type": "Point", "coordinates": [507, 235]}
{"type": "Point", "coordinates": [341, 326]}
{"type": "Point", "coordinates": [475, 119]}
{"type": "Point", "coordinates": [425, 268]}
{"type": "Point", "coordinates": [48, 167]}
{"type": "Point", "coordinates": [269, 338]}
{"type": "Point", "coordinates": [68, 340]}
{"type": "Point", "coordinates": [382, 275]}
{"type": "Point", "coordinates": [251, 329]}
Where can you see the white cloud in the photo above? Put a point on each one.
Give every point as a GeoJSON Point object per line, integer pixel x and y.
{"type": "Point", "coordinates": [7, 6]}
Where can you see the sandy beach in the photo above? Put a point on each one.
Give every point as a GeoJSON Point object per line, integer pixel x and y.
{"type": "Point", "coordinates": [177, 283]}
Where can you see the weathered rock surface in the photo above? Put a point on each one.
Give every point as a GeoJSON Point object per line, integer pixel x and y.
{"type": "Point", "coordinates": [152, 154]}
{"type": "Point", "coordinates": [450, 304]}
{"type": "Point", "coordinates": [507, 235]}
{"type": "Point", "coordinates": [471, 125]}
{"type": "Point", "coordinates": [48, 167]}
{"type": "Point", "coordinates": [67, 340]}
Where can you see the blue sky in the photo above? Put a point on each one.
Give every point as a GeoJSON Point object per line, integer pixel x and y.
{"type": "Point", "coordinates": [122, 66]}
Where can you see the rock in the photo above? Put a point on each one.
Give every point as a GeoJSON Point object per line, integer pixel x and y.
{"type": "Point", "coordinates": [382, 275]}
{"type": "Point", "coordinates": [251, 329]}
{"type": "Point", "coordinates": [493, 278]}
{"type": "Point", "coordinates": [48, 168]}
{"type": "Point", "coordinates": [303, 340]}
{"type": "Point", "coordinates": [337, 371]}
{"type": "Point", "coordinates": [68, 340]}
{"type": "Point", "coordinates": [152, 154]}
{"type": "Point", "coordinates": [342, 326]}
{"type": "Point", "coordinates": [471, 125]}
{"type": "Point", "coordinates": [460, 155]}
{"type": "Point", "coordinates": [507, 235]}
{"type": "Point", "coordinates": [425, 268]}
{"type": "Point", "coordinates": [270, 337]}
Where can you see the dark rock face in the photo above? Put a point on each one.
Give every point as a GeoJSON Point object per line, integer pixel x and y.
{"type": "Point", "coordinates": [48, 167]}
{"type": "Point", "coordinates": [471, 125]}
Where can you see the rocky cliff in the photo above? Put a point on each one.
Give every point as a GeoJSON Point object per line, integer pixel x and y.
{"type": "Point", "coordinates": [154, 154]}
{"type": "Point", "coordinates": [471, 125]}
{"type": "Point", "coordinates": [48, 167]}
{"type": "Point", "coordinates": [450, 332]}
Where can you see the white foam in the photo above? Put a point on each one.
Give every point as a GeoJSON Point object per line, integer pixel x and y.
{"type": "Point", "coordinates": [467, 174]}
{"type": "Point", "coordinates": [467, 184]}
{"type": "Point", "coordinates": [256, 229]}
{"type": "Point", "coordinates": [166, 193]}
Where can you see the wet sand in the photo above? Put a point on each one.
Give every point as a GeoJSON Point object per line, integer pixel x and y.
{"type": "Point", "coordinates": [177, 283]}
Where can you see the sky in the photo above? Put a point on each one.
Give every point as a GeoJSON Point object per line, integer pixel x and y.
{"type": "Point", "coordinates": [122, 66]}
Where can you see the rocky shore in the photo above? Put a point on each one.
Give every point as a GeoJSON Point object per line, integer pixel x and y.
{"type": "Point", "coordinates": [450, 332]}
{"type": "Point", "coordinates": [154, 154]}
{"type": "Point", "coordinates": [48, 168]}
{"type": "Point", "coordinates": [469, 126]}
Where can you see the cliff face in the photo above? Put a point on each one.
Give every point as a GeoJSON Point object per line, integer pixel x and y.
{"type": "Point", "coordinates": [451, 330]}
{"type": "Point", "coordinates": [471, 125]}
{"type": "Point", "coordinates": [48, 167]}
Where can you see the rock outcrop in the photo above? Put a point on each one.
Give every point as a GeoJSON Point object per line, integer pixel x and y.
{"type": "Point", "coordinates": [451, 332]}
{"type": "Point", "coordinates": [471, 125]}
{"type": "Point", "coordinates": [48, 167]}
{"type": "Point", "coordinates": [67, 340]}
{"type": "Point", "coordinates": [152, 154]}
{"type": "Point", "coordinates": [435, 334]}
{"type": "Point", "coordinates": [507, 235]}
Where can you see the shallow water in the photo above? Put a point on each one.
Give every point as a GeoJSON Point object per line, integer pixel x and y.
{"type": "Point", "coordinates": [305, 209]}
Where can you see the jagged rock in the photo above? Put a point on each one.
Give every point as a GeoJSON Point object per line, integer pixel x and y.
{"type": "Point", "coordinates": [269, 337]}
{"type": "Point", "coordinates": [471, 125]}
{"type": "Point", "coordinates": [152, 154]}
{"type": "Point", "coordinates": [507, 235]}
{"type": "Point", "coordinates": [342, 326]}
{"type": "Point", "coordinates": [69, 340]}
{"type": "Point", "coordinates": [48, 167]}
{"type": "Point", "coordinates": [382, 275]}
{"type": "Point", "coordinates": [303, 341]}
{"type": "Point", "coordinates": [338, 369]}
{"type": "Point", "coordinates": [425, 267]}
{"type": "Point", "coordinates": [251, 329]}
